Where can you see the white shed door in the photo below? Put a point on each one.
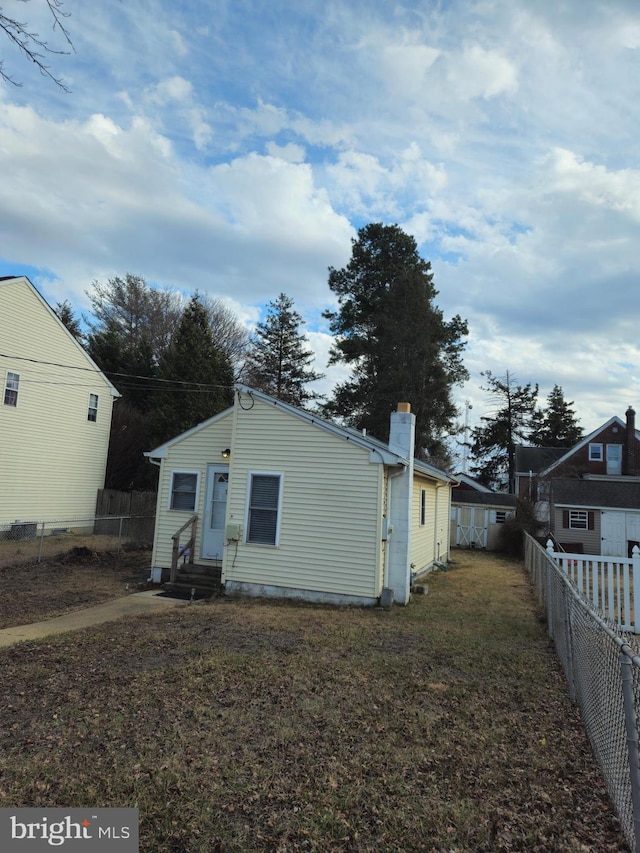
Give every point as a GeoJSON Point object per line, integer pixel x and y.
{"type": "Point", "coordinates": [614, 536]}
{"type": "Point", "coordinates": [471, 529]}
{"type": "Point", "coordinates": [215, 512]}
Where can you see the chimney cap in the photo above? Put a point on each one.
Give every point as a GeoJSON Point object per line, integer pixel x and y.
{"type": "Point", "coordinates": [404, 407]}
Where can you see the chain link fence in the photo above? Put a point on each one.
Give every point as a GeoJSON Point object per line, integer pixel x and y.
{"type": "Point", "coordinates": [602, 667]}
{"type": "Point", "coordinates": [23, 541]}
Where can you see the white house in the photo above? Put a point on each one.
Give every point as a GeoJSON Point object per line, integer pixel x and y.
{"type": "Point", "coordinates": [55, 415]}
{"type": "Point", "coordinates": [288, 504]}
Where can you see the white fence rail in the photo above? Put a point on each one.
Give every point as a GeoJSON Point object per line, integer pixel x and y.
{"type": "Point", "coordinates": [611, 585]}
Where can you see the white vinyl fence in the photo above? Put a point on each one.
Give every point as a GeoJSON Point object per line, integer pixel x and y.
{"type": "Point", "coordinates": [607, 583]}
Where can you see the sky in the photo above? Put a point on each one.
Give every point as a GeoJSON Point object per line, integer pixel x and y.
{"type": "Point", "coordinates": [235, 147]}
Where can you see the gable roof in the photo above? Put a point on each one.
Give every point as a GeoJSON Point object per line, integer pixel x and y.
{"type": "Point", "coordinates": [379, 451]}
{"type": "Point", "coordinates": [614, 421]}
{"type": "Point", "coordinates": [10, 279]}
{"type": "Point", "coordinates": [470, 483]}
{"type": "Point", "coordinates": [596, 493]}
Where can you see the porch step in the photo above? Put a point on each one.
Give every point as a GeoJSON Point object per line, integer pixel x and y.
{"type": "Point", "coordinates": [205, 580]}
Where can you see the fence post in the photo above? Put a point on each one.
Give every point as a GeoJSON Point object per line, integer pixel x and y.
{"type": "Point", "coordinates": [635, 564]}
{"type": "Point", "coordinates": [120, 533]}
{"type": "Point", "coordinates": [632, 741]}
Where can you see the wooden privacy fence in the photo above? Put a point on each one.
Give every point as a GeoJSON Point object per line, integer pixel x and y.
{"type": "Point", "coordinates": [136, 509]}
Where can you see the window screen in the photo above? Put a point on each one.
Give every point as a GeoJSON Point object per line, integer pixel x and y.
{"type": "Point", "coordinates": [264, 499]}
{"type": "Point", "coordinates": [183, 491]}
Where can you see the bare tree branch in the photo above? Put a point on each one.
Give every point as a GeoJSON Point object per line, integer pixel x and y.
{"type": "Point", "coordinates": [31, 45]}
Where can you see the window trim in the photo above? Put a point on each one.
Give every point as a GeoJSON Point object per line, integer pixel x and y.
{"type": "Point", "coordinates": [8, 390]}
{"type": "Point", "coordinates": [247, 515]}
{"type": "Point", "coordinates": [91, 408]}
{"type": "Point", "coordinates": [596, 447]}
{"type": "Point", "coordinates": [578, 519]}
{"type": "Point", "coordinates": [196, 493]}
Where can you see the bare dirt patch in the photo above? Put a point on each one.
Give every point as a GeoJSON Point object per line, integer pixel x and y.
{"type": "Point", "coordinates": [77, 578]}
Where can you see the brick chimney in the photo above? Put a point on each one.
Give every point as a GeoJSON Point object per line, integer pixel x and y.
{"type": "Point", "coordinates": [631, 462]}
{"type": "Point", "coordinates": [401, 441]}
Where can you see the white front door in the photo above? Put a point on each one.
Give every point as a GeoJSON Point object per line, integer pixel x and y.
{"type": "Point", "coordinates": [215, 512]}
{"type": "Point", "coordinates": [613, 533]}
{"type": "Point", "coordinates": [614, 459]}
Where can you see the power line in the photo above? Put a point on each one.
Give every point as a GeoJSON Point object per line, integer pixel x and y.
{"type": "Point", "coordinates": [203, 386]}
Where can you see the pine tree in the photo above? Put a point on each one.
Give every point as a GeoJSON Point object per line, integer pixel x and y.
{"type": "Point", "coordinates": [396, 341]}
{"type": "Point", "coordinates": [278, 361]}
{"type": "Point", "coordinates": [494, 444]}
{"type": "Point", "coordinates": [557, 425]}
{"type": "Point", "coordinates": [195, 376]}
{"type": "Point", "coordinates": [64, 312]}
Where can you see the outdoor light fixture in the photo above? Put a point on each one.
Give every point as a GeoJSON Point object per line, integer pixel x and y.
{"type": "Point", "coordinates": [225, 453]}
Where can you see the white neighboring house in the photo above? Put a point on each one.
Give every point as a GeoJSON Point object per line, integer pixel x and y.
{"type": "Point", "coordinates": [55, 415]}
{"type": "Point", "coordinates": [290, 505]}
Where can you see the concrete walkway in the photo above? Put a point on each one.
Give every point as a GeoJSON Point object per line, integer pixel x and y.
{"type": "Point", "coordinates": [131, 605]}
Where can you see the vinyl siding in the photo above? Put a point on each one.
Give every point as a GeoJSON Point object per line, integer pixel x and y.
{"type": "Point", "coordinates": [52, 458]}
{"type": "Point", "coordinates": [193, 453]}
{"type": "Point", "coordinates": [331, 520]}
{"type": "Point", "coordinates": [589, 539]}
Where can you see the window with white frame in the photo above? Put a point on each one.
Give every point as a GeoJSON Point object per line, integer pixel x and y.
{"type": "Point", "coordinates": [578, 519]}
{"type": "Point", "coordinates": [184, 489]}
{"type": "Point", "coordinates": [501, 516]}
{"type": "Point", "coordinates": [92, 413]}
{"type": "Point", "coordinates": [263, 511]}
{"type": "Point", "coordinates": [423, 507]}
{"type": "Point", "coordinates": [11, 387]}
{"type": "Point", "coordinates": [595, 453]}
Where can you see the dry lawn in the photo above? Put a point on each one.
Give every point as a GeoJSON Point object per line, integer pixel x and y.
{"type": "Point", "coordinates": [252, 726]}
{"type": "Point", "coordinates": [73, 579]}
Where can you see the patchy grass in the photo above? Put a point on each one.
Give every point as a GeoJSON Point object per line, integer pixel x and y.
{"type": "Point", "coordinates": [253, 726]}
{"type": "Point", "coordinates": [72, 580]}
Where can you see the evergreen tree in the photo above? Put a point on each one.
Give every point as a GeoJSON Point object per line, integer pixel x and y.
{"type": "Point", "coordinates": [64, 312]}
{"type": "Point", "coordinates": [397, 343]}
{"type": "Point", "coordinates": [494, 444]}
{"type": "Point", "coordinates": [278, 360]}
{"type": "Point", "coordinates": [195, 376]}
{"type": "Point", "coordinates": [557, 425]}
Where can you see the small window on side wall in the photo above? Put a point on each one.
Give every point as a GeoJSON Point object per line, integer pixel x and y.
{"type": "Point", "coordinates": [12, 384]}
{"type": "Point", "coordinates": [92, 413]}
{"type": "Point", "coordinates": [423, 507]}
{"type": "Point", "coordinates": [263, 512]}
{"type": "Point", "coordinates": [595, 453]}
{"type": "Point", "coordinates": [184, 489]}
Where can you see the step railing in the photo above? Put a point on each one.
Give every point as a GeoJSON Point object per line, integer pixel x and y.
{"type": "Point", "coordinates": [187, 550]}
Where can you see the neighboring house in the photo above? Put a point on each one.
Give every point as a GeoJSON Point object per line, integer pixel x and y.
{"type": "Point", "coordinates": [530, 461]}
{"type": "Point", "coordinates": [478, 513]}
{"type": "Point", "coordinates": [289, 504]}
{"type": "Point", "coordinates": [592, 491]}
{"type": "Point", "coordinates": [55, 415]}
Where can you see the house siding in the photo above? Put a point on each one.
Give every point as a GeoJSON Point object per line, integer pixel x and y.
{"type": "Point", "coordinates": [588, 539]}
{"type": "Point", "coordinates": [192, 453]}
{"type": "Point", "coordinates": [52, 458]}
{"type": "Point", "coordinates": [331, 518]}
